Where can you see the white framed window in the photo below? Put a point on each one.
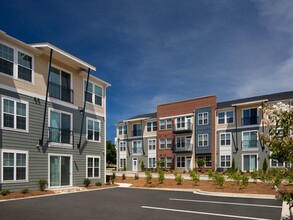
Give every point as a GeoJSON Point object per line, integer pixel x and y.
{"type": "Point", "coordinates": [151, 126]}
{"type": "Point", "coordinates": [122, 146]}
{"type": "Point", "coordinates": [275, 163]}
{"type": "Point", "coordinates": [169, 162]}
{"type": "Point", "coordinates": [180, 142]}
{"type": "Point", "coordinates": [162, 124]}
{"type": "Point", "coordinates": [225, 139]}
{"type": "Point", "coordinates": [203, 118]}
{"type": "Point", "coordinates": [162, 143]}
{"type": "Point", "coordinates": [14, 114]}
{"type": "Point", "coordinates": [122, 129]}
{"type": "Point", "coordinates": [16, 63]}
{"type": "Point", "coordinates": [180, 162]}
{"type": "Point", "coordinates": [226, 117]}
{"type": "Point", "coordinates": [93, 166]}
{"type": "Point", "coordinates": [14, 166]}
{"type": "Point", "coordinates": [169, 142]}
{"type": "Point", "coordinates": [249, 139]}
{"type": "Point", "coordinates": [152, 144]}
{"type": "Point", "coordinates": [136, 147]}
{"type": "Point", "coordinates": [168, 123]}
{"type": "Point", "coordinates": [249, 162]}
{"type": "Point", "coordinates": [203, 140]}
{"type": "Point", "coordinates": [180, 122]}
{"type": "Point", "coordinates": [94, 93]}
{"type": "Point", "coordinates": [225, 161]}
{"type": "Point", "coordinates": [152, 162]}
{"type": "Point", "coordinates": [208, 160]}
{"type": "Point", "coordinates": [122, 163]}
{"type": "Point", "coordinates": [93, 130]}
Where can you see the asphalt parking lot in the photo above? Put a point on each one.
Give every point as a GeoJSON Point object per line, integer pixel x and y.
{"type": "Point", "coordinates": [127, 203]}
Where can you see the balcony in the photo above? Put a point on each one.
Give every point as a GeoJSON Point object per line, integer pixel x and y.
{"type": "Point", "coordinates": [180, 128]}
{"type": "Point", "coordinates": [136, 133]}
{"type": "Point", "coordinates": [57, 135]}
{"type": "Point", "coordinates": [60, 92]}
{"type": "Point", "coordinates": [248, 144]}
{"type": "Point", "coordinates": [183, 148]}
{"type": "Point", "coordinates": [250, 121]}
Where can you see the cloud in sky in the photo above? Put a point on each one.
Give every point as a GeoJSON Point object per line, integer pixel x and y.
{"type": "Point", "coordinates": [158, 51]}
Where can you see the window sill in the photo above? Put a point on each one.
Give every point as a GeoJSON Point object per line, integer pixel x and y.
{"type": "Point", "coordinates": [250, 149]}
{"type": "Point", "coordinates": [98, 177]}
{"type": "Point", "coordinates": [60, 145]}
{"type": "Point", "coordinates": [14, 181]}
{"type": "Point", "coordinates": [16, 130]}
{"type": "Point", "coordinates": [92, 141]}
{"type": "Point", "coordinates": [136, 154]}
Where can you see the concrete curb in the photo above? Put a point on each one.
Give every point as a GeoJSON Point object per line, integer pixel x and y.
{"type": "Point", "coordinates": [124, 185]}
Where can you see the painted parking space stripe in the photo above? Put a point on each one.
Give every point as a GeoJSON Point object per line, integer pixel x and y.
{"type": "Point", "coordinates": [202, 213]}
{"type": "Point", "coordinates": [226, 203]}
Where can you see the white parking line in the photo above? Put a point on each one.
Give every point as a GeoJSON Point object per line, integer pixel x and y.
{"type": "Point", "coordinates": [203, 213]}
{"type": "Point", "coordinates": [226, 203]}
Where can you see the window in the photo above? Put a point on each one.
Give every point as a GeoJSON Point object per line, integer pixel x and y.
{"type": "Point", "coordinates": [249, 139]}
{"type": "Point", "coordinates": [229, 117]}
{"type": "Point", "coordinates": [208, 161]}
{"type": "Point", "coordinates": [94, 93]}
{"type": "Point", "coordinates": [225, 161]}
{"type": "Point", "coordinates": [225, 139]}
{"type": "Point", "coordinates": [169, 123]}
{"type": "Point", "coordinates": [93, 130]}
{"type": "Point", "coordinates": [221, 118]}
{"type": "Point", "coordinates": [136, 147]}
{"type": "Point", "coordinates": [169, 163]}
{"type": "Point", "coordinates": [60, 85]}
{"type": "Point", "coordinates": [162, 143]}
{"type": "Point", "coordinates": [23, 64]}
{"type": "Point", "coordinates": [152, 144]}
{"type": "Point", "coordinates": [93, 167]}
{"type": "Point", "coordinates": [122, 129]}
{"type": "Point", "coordinates": [151, 126]}
{"type": "Point", "coordinates": [122, 146]}
{"type": "Point", "coordinates": [122, 163]}
{"type": "Point", "coordinates": [203, 140]}
{"type": "Point", "coordinates": [180, 142]}
{"type": "Point", "coordinates": [152, 162]}
{"type": "Point", "coordinates": [162, 124]}
{"type": "Point", "coordinates": [180, 162]}
{"type": "Point", "coordinates": [180, 122]}
{"type": "Point", "coordinates": [136, 130]}
{"type": "Point", "coordinates": [249, 162]}
{"type": "Point", "coordinates": [15, 114]}
{"type": "Point", "coordinates": [275, 163]}
{"type": "Point", "coordinates": [169, 143]}
{"type": "Point", "coordinates": [225, 117]}
{"type": "Point", "coordinates": [60, 127]}
{"type": "Point", "coordinates": [14, 165]}
{"type": "Point", "coordinates": [203, 118]}
{"type": "Point", "coordinates": [249, 116]}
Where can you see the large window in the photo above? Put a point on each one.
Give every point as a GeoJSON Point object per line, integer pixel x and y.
{"type": "Point", "coordinates": [203, 140]}
{"type": "Point", "coordinates": [180, 122]}
{"type": "Point", "coordinates": [249, 139]}
{"type": "Point", "coordinates": [15, 114]}
{"type": "Point", "coordinates": [203, 118]}
{"type": "Point", "coordinates": [152, 144]}
{"type": "Point", "coordinates": [249, 116]}
{"type": "Point", "coordinates": [225, 139]}
{"type": "Point", "coordinates": [122, 129]}
{"type": "Point", "coordinates": [162, 143]}
{"type": "Point", "coordinates": [14, 165]}
{"type": "Point", "coordinates": [23, 66]}
{"type": "Point", "coordinates": [122, 146]}
{"type": "Point", "coordinates": [93, 129]}
{"type": "Point", "coordinates": [169, 163]}
{"type": "Point", "coordinates": [249, 162]}
{"type": "Point", "coordinates": [180, 162]}
{"type": "Point", "coordinates": [225, 161]}
{"type": "Point", "coordinates": [225, 117]}
{"type": "Point", "coordinates": [136, 130]}
{"type": "Point", "coordinates": [162, 124]}
{"type": "Point", "coordinates": [60, 127]}
{"type": "Point", "coordinates": [151, 126]}
{"type": "Point", "coordinates": [152, 162]}
{"type": "Point", "coordinates": [136, 147]}
{"type": "Point", "coordinates": [169, 142]}
{"type": "Point", "coordinates": [168, 123]}
{"type": "Point", "coordinates": [94, 93]}
{"type": "Point", "coordinates": [93, 167]}
{"type": "Point", "coordinates": [180, 142]}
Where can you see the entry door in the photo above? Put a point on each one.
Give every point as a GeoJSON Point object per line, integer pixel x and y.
{"type": "Point", "coordinates": [188, 163]}
{"type": "Point", "coordinates": [134, 164]}
{"type": "Point", "coordinates": [188, 143]}
{"type": "Point", "coordinates": [188, 123]}
{"type": "Point", "coordinates": [249, 162]}
{"type": "Point", "coordinates": [60, 174]}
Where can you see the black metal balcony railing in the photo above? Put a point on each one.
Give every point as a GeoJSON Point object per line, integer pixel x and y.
{"type": "Point", "coordinates": [60, 135]}
{"type": "Point", "coordinates": [182, 127]}
{"type": "Point", "coordinates": [136, 132]}
{"type": "Point", "coordinates": [249, 144]}
{"type": "Point", "coordinates": [60, 92]}
{"type": "Point", "coordinates": [183, 147]}
{"type": "Point", "coordinates": [250, 121]}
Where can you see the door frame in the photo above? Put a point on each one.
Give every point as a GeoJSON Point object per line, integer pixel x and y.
{"type": "Point", "coordinates": [188, 158]}
{"type": "Point", "coordinates": [71, 176]}
{"type": "Point", "coordinates": [135, 159]}
{"type": "Point", "coordinates": [251, 154]}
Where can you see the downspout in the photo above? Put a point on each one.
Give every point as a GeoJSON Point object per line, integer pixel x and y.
{"type": "Point", "coordinates": [127, 138]}
{"type": "Point", "coordinates": [41, 141]}
{"type": "Point", "coordinates": [236, 129]}
{"type": "Point", "coordinates": [142, 138]}
{"type": "Point", "coordinates": [83, 110]}
{"type": "Point", "coordinates": [263, 129]}
{"type": "Point", "coordinates": [194, 139]}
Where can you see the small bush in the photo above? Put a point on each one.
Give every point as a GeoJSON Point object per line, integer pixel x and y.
{"type": "Point", "coordinates": [24, 191]}
{"type": "Point", "coordinates": [218, 179]}
{"type": "Point", "coordinates": [142, 166]}
{"type": "Point", "coordinates": [149, 177]}
{"type": "Point", "coordinates": [5, 192]}
{"type": "Point", "coordinates": [98, 183]}
{"type": "Point", "coordinates": [254, 175]}
{"type": "Point", "coordinates": [113, 178]}
{"type": "Point", "coordinates": [136, 176]}
{"type": "Point", "coordinates": [265, 165]}
{"type": "Point", "coordinates": [124, 166]}
{"type": "Point", "coordinates": [179, 179]}
{"type": "Point", "coordinates": [276, 181]}
{"type": "Point", "coordinates": [210, 174]}
{"type": "Point", "coordinates": [161, 176]}
{"type": "Point", "coordinates": [86, 182]}
{"type": "Point", "coordinates": [289, 177]}
{"type": "Point", "coordinates": [243, 182]}
{"type": "Point", "coordinates": [42, 184]}
{"type": "Point", "coordinates": [200, 164]}
{"type": "Point", "coordinates": [123, 176]}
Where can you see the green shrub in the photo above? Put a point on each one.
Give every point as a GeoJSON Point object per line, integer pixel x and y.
{"type": "Point", "coordinates": [254, 175]}
{"type": "Point", "coordinates": [179, 179]}
{"type": "Point", "coordinates": [265, 165]}
{"type": "Point", "coordinates": [142, 166]}
{"type": "Point", "coordinates": [161, 176]}
{"type": "Point", "coordinates": [277, 180]}
{"type": "Point", "coordinates": [113, 178]}
{"type": "Point", "coordinates": [219, 179]}
{"type": "Point", "coordinates": [86, 182]}
{"type": "Point", "coordinates": [5, 192]}
{"type": "Point", "coordinates": [244, 180]}
{"type": "Point", "coordinates": [289, 176]}
{"type": "Point", "coordinates": [98, 183]}
{"type": "Point", "coordinates": [210, 174]}
{"type": "Point", "coordinates": [149, 177]}
{"type": "Point", "coordinates": [124, 166]}
{"type": "Point", "coordinates": [42, 184]}
{"type": "Point", "coordinates": [123, 176]}
{"type": "Point", "coordinates": [136, 176]}
{"type": "Point", "coordinates": [24, 191]}
{"type": "Point", "coordinates": [200, 164]}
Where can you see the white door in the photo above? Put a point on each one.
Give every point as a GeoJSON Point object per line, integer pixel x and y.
{"type": "Point", "coordinates": [134, 164]}
{"type": "Point", "coordinates": [188, 123]}
{"type": "Point", "coordinates": [188, 163]}
{"type": "Point", "coordinates": [188, 143]}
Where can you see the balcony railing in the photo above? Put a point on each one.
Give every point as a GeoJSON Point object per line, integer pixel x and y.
{"type": "Point", "coordinates": [58, 135]}
{"type": "Point", "coordinates": [60, 92]}
{"type": "Point", "coordinates": [182, 148]}
{"type": "Point", "coordinates": [250, 121]}
{"type": "Point", "coordinates": [136, 133]}
{"type": "Point", "coordinates": [182, 128]}
{"type": "Point", "coordinates": [249, 144]}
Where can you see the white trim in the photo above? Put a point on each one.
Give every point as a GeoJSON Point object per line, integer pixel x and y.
{"type": "Point", "coordinates": [149, 144]}
{"type": "Point", "coordinates": [242, 160]}
{"type": "Point", "coordinates": [140, 145]}
{"type": "Point", "coordinates": [86, 172]}
{"type": "Point", "coordinates": [225, 117]}
{"type": "Point", "coordinates": [94, 120]}
{"type": "Point", "coordinates": [121, 166]}
{"type": "Point", "coordinates": [202, 113]}
{"type": "Point", "coordinates": [203, 134]}
{"type": "Point", "coordinates": [257, 139]}
{"type": "Point", "coordinates": [14, 166]}
{"type": "Point", "coordinates": [225, 133]}
{"type": "Point", "coordinates": [175, 116]}
{"type": "Point", "coordinates": [119, 146]}
{"type": "Point", "coordinates": [71, 173]}
{"type": "Point", "coordinates": [238, 127]}
{"type": "Point", "coordinates": [93, 93]}
{"type": "Point", "coordinates": [225, 155]}
{"type": "Point", "coordinates": [250, 103]}
{"type": "Point", "coordinates": [133, 159]}
{"type": "Point", "coordinates": [135, 119]}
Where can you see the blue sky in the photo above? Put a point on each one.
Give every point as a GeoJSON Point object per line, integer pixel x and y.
{"type": "Point", "coordinates": [158, 51]}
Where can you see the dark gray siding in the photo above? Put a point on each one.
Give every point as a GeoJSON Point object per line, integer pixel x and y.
{"type": "Point", "coordinates": [38, 156]}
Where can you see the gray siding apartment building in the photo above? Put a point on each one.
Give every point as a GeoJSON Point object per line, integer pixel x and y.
{"type": "Point", "coordinates": [47, 129]}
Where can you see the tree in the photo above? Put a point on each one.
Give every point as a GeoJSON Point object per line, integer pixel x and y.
{"type": "Point", "coordinates": [111, 152]}
{"type": "Point", "coordinates": [200, 164]}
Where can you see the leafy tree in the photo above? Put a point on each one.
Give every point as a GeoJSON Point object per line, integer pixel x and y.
{"type": "Point", "coordinates": [111, 152]}
{"type": "Point", "coordinates": [200, 164]}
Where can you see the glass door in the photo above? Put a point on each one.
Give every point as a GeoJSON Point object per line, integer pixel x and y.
{"type": "Point", "coordinates": [60, 174]}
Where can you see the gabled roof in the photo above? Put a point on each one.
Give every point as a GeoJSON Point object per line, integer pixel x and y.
{"type": "Point", "coordinates": [269, 97]}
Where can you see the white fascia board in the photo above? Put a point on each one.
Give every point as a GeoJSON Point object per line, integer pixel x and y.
{"type": "Point", "coordinates": [250, 103]}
